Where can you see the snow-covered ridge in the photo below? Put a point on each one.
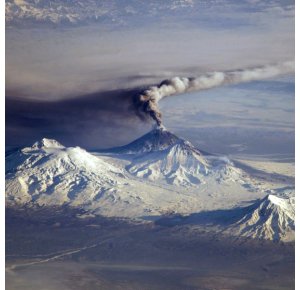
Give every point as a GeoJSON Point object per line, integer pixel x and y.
{"type": "Point", "coordinates": [286, 204]}
{"type": "Point", "coordinates": [272, 218]}
{"type": "Point", "coordinates": [77, 11]}
{"type": "Point", "coordinates": [49, 173]}
{"type": "Point", "coordinates": [115, 11]}
{"type": "Point", "coordinates": [46, 143]}
{"type": "Point", "coordinates": [186, 181]}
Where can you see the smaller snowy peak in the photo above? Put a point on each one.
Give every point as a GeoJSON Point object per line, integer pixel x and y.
{"type": "Point", "coordinates": [284, 204]}
{"type": "Point", "coordinates": [273, 218]}
{"type": "Point", "coordinates": [47, 143]}
{"type": "Point", "coordinates": [40, 148]}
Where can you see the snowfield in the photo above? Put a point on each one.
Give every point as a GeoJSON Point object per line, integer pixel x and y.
{"type": "Point", "coordinates": [158, 174]}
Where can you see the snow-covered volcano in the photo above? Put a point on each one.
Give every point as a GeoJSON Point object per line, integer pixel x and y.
{"type": "Point", "coordinates": [161, 155]}
{"type": "Point", "coordinates": [272, 218]}
{"type": "Point", "coordinates": [158, 139]}
{"type": "Point", "coordinates": [48, 173]}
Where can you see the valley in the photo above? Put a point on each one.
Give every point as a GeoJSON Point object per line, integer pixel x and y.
{"type": "Point", "coordinates": [53, 247]}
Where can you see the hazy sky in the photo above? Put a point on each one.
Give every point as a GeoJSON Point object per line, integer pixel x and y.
{"type": "Point", "coordinates": [68, 81]}
{"type": "Point", "coordinates": [250, 118]}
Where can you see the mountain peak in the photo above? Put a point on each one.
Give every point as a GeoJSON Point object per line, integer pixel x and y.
{"type": "Point", "coordinates": [157, 139]}
{"type": "Point", "coordinates": [284, 204]}
{"type": "Point", "coordinates": [272, 218]}
{"type": "Point", "coordinates": [47, 143]}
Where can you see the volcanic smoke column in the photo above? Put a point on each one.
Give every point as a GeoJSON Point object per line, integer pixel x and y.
{"type": "Point", "coordinates": [146, 103]}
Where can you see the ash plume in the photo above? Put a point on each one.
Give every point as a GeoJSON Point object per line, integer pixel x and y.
{"type": "Point", "coordinates": [146, 103]}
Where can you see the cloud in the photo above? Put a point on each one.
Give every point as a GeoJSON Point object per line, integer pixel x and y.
{"type": "Point", "coordinates": [56, 64]}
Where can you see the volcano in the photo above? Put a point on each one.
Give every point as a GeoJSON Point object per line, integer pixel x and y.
{"type": "Point", "coordinates": [272, 218]}
{"type": "Point", "coordinates": [158, 139]}
{"type": "Point", "coordinates": [161, 155]}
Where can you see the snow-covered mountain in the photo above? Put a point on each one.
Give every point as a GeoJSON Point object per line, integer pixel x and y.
{"type": "Point", "coordinates": [272, 218]}
{"type": "Point", "coordinates": [77, 11]}
{"type": "Point", "coordinates": [48, 173]}
{"type": "Point", "coordinates": [121, 184]}
{"type": "Point", "coordinates": [125, 13]}
{"type": "Point", "coordinates": [161, 155]}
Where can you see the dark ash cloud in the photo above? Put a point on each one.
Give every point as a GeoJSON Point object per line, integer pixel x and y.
{"type": "Point", "coordinates": [111, 118]}
{"type": "Point", "coordinates": [93, 121]}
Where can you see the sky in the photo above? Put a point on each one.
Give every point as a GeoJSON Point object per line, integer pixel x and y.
{"type": "Point", "coordinates": [75, 81]}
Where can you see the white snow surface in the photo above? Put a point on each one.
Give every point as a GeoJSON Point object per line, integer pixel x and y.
{"type": "Point", "coordinates": [273, 218]}
{"type": "Point", "coordinates": [46, 143]}
{"type": "Point", "coordinates": [175, 160]}
{"type": "Point", "coordinates": [77, 11]}
{"type": "Point", "coordinates": [165, 175]}
{"type": "Point", "coordinates": [48, 173]}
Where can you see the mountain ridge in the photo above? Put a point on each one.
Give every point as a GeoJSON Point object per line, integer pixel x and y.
{"type": "Point", "coordinates": [48, 167]}
{"type": "Point", "coordinates": [48, 173]}
{"type": "Point", "coordinates": [272, 218]}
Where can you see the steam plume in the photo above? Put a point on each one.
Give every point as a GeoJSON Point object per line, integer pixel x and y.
{"type": "Point", "coordinates": [146, 102]}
